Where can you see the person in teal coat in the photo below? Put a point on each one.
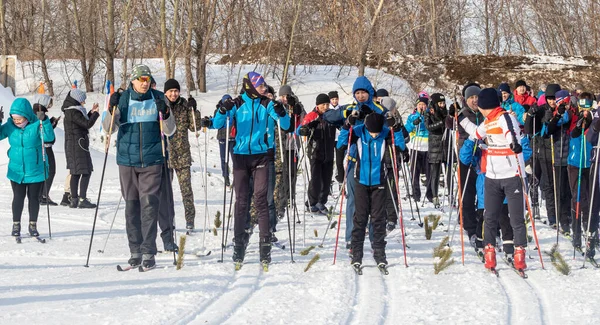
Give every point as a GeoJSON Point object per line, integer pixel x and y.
{"type": "Point", "coordinates": [26, 165]}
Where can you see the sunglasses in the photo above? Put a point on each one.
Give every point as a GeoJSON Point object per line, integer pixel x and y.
{"type": "Point", "coordinates": [144, 79]}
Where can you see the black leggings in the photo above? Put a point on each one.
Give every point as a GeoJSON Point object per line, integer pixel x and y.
{"type": "Point", "coordinates": [32, 191]}
{"type": "Point", "coordinates": [75, 184]}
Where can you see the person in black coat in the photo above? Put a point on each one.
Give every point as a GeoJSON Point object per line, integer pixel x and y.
{"type": "Point", "coordinates": [435, 120]}
{"type": "Point", "coordinates": [77, 146]}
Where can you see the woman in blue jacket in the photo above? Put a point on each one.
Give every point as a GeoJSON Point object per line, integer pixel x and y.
{"type": "Point", "coordinates": [26, 165]}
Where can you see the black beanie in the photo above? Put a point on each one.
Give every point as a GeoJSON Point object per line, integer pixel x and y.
{"type": "Point", "coordinates": [437, 97]}
{"type": "Point", "coordinates": [423, 99]}
{"type": "Point", "coordinates": [322, 99]}
{"type": "Point", "coordinates": [382, 93]}
{"type": "Point", "coordinates": [374, 122]}
{"type": "Point", "coordinates": [504, 87]}
{"type": "Point", "coordinates": [171, 84]}
{"type": "Point", "coordinates": [333, 94]}
{"type": "Point", "coordinates": [520, 83]}
{"type": "Point", "coordinates": [488, 99]}
{"type": "Point", "coordinates": [551, 90]}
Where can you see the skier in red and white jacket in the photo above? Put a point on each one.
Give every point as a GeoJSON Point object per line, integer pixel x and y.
{"type": "Point", "coordinates": [503, 166]}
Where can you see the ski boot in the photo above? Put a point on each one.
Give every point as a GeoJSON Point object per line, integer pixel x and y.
{"type": "Point", "coordinates": [148, 261]}
{"type": "Point", "coordinates": [227, 182]}
{"type": "Point", "coordinates": [356, 263]}
{"type": "Point", "coordinates": [16, 229]}
{"type": "Point", "coordinates": [479, 249]}
{"type": "Point", "coordinates": [520, 259]}
{"type": "Point", "coordinates": [84, 203]}
{"type": "Point", "coordinates": [380, 259]}
{"type": "Point", "coordinates": [189, 226]}
{"type": "Point", "coordinates": [238, 256]}
{"type": "Point", "coordinates": [47, 201]}
{"type": "Point", "coordinates": [265, 253]}
{"type": "Point", "coordinates": [73, 202]}
{"type": "Point", "coordinates": [65, 199]}
{"type": "Point", "coordinates": [473, 240]}
{"type": "Point", "coordinates": [490, 257]}
{"type": "Point", "coordinates": [436, 202]}
{"type": "Point", "coordinates": [509, 259]}
{"type": "Point", "coordinates": [274, 238]}
{"type": "Point", "coordinates": [33, 229]}
{"type": "Point", "coordinates": [135, 260]}
{"type": "Point", "coordinates": [170, 246]}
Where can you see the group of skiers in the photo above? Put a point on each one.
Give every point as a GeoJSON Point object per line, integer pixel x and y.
{"type": "Point", "coordinates": [493, 141]}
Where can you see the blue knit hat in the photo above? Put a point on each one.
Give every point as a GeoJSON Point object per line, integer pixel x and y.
{"type": "Point", "coordinates": [78, 95]}
{"type": "Point", "coordinates": [488, 99]}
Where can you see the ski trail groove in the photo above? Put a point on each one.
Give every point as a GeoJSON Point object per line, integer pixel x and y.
{"type": "Point", "coordinates": [385, 297]}
{"type": "Point", "coordinates": [198, 311]}
{"type": "Point", "coordinates": [521, 300]}
{"type": "Point", "coordinates": [544, 312]}
{"type": "Point", "coordinates": [230, 299]}
{"type": "Point", "coordinates": [370, 304]}
{"type": "Point", "coordinates": [355, 295]}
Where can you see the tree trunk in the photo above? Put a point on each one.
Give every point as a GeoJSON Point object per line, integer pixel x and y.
{"type": "Point", "coordinates": [110, 44]}
{"type": "Point", "coordinates": [3, 29]}
{"type": "Point", "coordinates": [366, 41]}
{"type": "Point", "coordinates": [433, 31]}
{"type": "Point", "coordinates": [42, 51]}
{"type": "Point", "coordinates": [163, 37]}
{"type": "Point", "coordinates": [291, 43]}
{"type": "Point", "coordinates": [189, 78]}
{"type": "Point", "coordinates": [173, 55]}
{"type": "Point", "coordinates": [129, 19]}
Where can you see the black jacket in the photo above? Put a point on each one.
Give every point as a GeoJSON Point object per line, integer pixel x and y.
{"type": "Point", "coordinates": [77, 142]}
{"type": "Point", "coordinates": [321, 144]}
{"type": "Point", "coordinates": [436, 125]}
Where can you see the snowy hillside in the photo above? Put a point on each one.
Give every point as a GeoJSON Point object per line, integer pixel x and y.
{"type": "Point", "coordinates": [48, 283]}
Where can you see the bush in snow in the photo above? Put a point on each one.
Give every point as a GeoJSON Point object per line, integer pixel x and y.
{"type": "Point", "coordinates": [442, 256]}
{"type": "Point", "coordinates": [181, 252]}
{"type": "Point", "coordinates": [312, 261]}
{"type": "Point", "coordinates": [305, 251]}
{"type": "Point", "coordinates": [558, 261]}
{"type": "Point", "coordinates": [428, 230]}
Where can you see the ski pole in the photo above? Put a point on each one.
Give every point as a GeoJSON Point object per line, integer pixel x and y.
{"type": "Point", "coordinates": [460, 193]}
{"type": "Point", "coordinates": [223, 242]}
{"type": "Point", "coordinates": [587, 241]}
{"type": "Point", "coordinates": [401, 216]}
{"type": "Point", "coordinates": [556, 213]}
{"type": "Point", "coordinates": [337, 236]}
{"type": "Point", "coordinates": [228, 217]}
{"type": "Point", "coordinates": [287, 211]}
{"type": "Point", "coordinates": [111, 225]}
{"type": "Point", "coordinates": [203, 249]}
{"type": "Point", "coordinates": [408, 190]}
{"type": "Point", "coordinates": [306, 182]}
{"type": "Point", "coordinates": [202, 168]}
{"type": "Point", "coordinates": [582, 150]}
{"type": "Point", "coordinates": [330, 217]}
{"type": "Point", "coordinates": [169, 189]}
{"type": "Point", "coordinates": [45, 177]}
{"type": "Point", "coordinates": [524, 187]}
{"type": "Point", "coordinates": [106, 147]}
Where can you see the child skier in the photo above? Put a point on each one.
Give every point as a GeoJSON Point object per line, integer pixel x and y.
{"type": "Point", "coordinates": [435, 118]}
{"type": "Point", "coordinates": [418, 145]}
{"type": "Point", "coordinates": [372, 141]}
{"type": "Point", "coordinates": [503, 166]}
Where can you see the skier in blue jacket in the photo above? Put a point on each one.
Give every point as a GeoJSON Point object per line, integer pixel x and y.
{"type": "Point", "coordinates": [27, 168]}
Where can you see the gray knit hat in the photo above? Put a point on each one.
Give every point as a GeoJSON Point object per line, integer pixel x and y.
{"type": "Point", "coordinates": [285, 90]}
{"type": "Point", "coordinates": [388, 103]}
{"type": "Point", "coordinates": [78, 95]}
{"type": "Point", "coordinates": [42, 99]}
{"type": "Point", "coordinates": [140, 70]}
{"type": "Point", "coordinates": [472, 91]}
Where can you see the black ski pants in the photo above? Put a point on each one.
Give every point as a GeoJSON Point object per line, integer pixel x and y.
{"type": "Point", "coordinates": [495, 192]}
{"type": "Point", "coordinates": [468, 191]}
{"type": "Point", "coordinates": [244, 167]}
{"type": "Point", "coordinates": [320, 181]}
{"type": "Point", "coordinates": [370, 202]}
{"type": "Point", "coordinates": [20, 191]}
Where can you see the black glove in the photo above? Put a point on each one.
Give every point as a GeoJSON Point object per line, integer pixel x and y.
{"type": "Point", "coordinates": [191, 103]}
{"type": "Point", "coordinates": [587, 120]}
{"type": "Point", "coordinates": [206, 122]}
{"type": "Point", "coordinates": [353, 117]}
{"type": "Point", "coordinates": [561, 109]}
{"type": "Point", "coordinates": [366, 110]}
{"type": "Point", "coordinates": [225, 106]}
{"type": "Point", "coordinates": [41, 115]}
{"type": "Point", "coordinates": [279, 109]}
{"type": "Point", "coordinates": [298, 109]}
{"type": "Point", "coordinates": [516, 148]}
{"type": "Point", "coordinates": [417, 121]}
{"type": "Point", "coordinates": [162, 108]}
{"type": "Point", "coordinates": [534, 110]}
{"type": "Point", "coordinates": [313, 124]}
{"type": "Point", "coordinates": [453, 109]}
{"type": "Point", "coordinates": [1, 115]}
{"type": "Point", "coordinates": [114, 101]}
{"type": "Point", "coordinates": [405, 156]}
{"type": "Point", "coordinates": [390, 119]}
{"type": "Point", "coordinates": [304, 131]}
{"type": "Point", "coordinates": [291, 100]}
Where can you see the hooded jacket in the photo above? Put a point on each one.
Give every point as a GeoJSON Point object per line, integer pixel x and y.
{"type": "Point", "coordinates": [77, 142]}
{"type": "Point", "coordinates": [26, 163]}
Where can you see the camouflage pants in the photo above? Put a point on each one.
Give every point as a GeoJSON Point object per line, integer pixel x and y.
{"type": "Point", "coordinates": [282, 187]}
{"type": "Point", "coordinates": [184, 177]}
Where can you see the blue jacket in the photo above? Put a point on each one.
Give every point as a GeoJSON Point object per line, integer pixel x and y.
{"type": "Point", "coordinates": [511, 105]}
{"type": "Point", "coordinates": [26, 163]}
{"type": "Point", "coordinates": [469, 157]}
{"type": "Point", "coordinates": [422, 136]}
{"type": "Point", "coordinates": [252, 123]}
{"type": "Point", "coordinates": [139, 138]}
{"type": "Point", "coordinates": [575, 151]}
{"type": "Point", "coordinates": [372, 154]}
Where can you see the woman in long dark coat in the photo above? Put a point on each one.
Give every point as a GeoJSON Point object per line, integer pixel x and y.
{"type": "Point", "coordinates": [77, 146]}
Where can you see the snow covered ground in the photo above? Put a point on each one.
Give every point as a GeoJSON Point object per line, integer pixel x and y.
{"type": "Point", "coordinates": [48, 283]}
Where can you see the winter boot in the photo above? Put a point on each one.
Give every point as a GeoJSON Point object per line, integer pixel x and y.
{"type": "Point", "coordinates": [519, 261]}
{"type": "Point", "coordinates": [379, 255]}
{"type": "Point", "coordinates": [170, 246]}
{"type": "Point", "coordinates": [16, 229]}
{"type": "Point", "coordinates": [473, 240]}
{"type": "Point", "coordinates": [33, 229]}
{"type": "Point", "coordinates": [227, 182]}
{"type": "Point", "coordinates": [73, 202]}
{"type": "Point", "coordinates": [189, 225]}
{"type": "Point", "coordinates": [238, 253]}
{"type": "Point", "coordinates": [390, 226]}
{"type": "Point", "coordinates": [509, 258]}
{"type": "Point", "coordinates": [356, 254]}
{"type": "Point", "coordinates": [85, 204]}
{"type": "Point", "coordinates": [65, 199]}
{"type": "Point", "coordinates": [135, 260]}
{"type": "Point", "coordinates": [148, 261]}
{"type": "Point", "coordinates": [489, 254]}
{"type": "Point", "coordinates": [265, 250]}
{"type": "Point", "coordinates": [274, 238]}
{"type": "Point", "coordinates": [47, 201]}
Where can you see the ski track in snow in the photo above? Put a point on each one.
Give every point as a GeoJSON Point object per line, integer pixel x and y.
{"type": "Point", "coordinates": [370, 305]}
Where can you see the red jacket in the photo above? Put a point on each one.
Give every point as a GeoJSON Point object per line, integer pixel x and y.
{"type": "Point", "coordinates": [524, 99]}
